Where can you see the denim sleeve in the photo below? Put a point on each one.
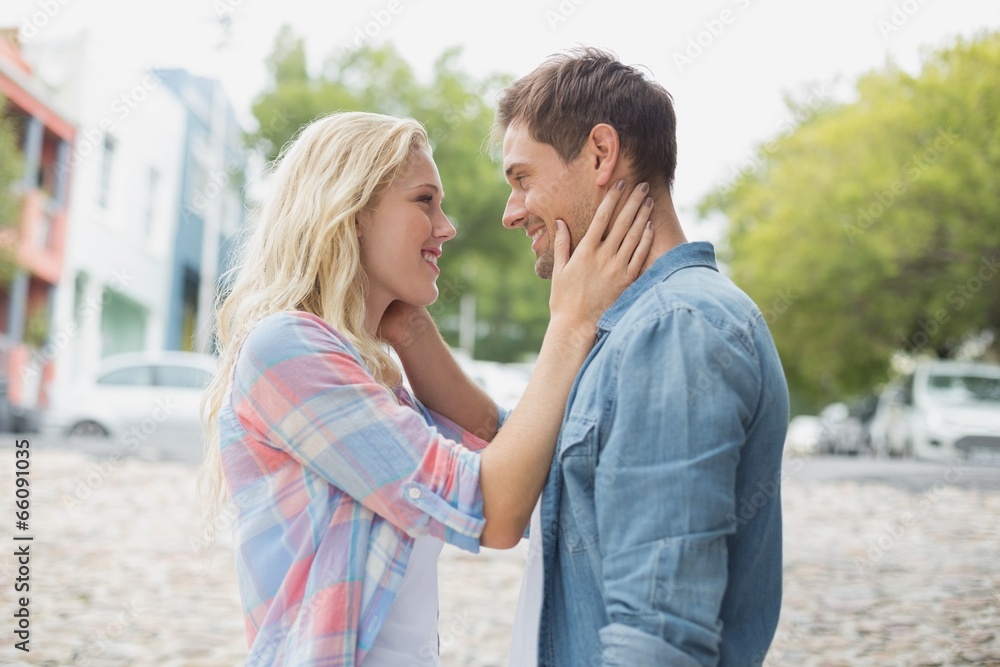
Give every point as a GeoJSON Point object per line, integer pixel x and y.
{"type": "Point", "coordinates": [665, 484]}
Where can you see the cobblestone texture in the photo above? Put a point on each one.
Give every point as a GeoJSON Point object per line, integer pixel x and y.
{"type": "Point", "coordinates": [123, 574]}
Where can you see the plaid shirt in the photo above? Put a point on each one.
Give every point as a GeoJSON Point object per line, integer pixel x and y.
{"type": "Point", "coordinates": [332, 476]}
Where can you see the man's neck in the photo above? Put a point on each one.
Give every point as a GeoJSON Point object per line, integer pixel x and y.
{"type": "Point", "coordinates": [667, 232]}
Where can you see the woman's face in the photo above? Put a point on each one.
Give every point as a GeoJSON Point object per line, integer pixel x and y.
{"type": "Point", "coordinates": [401, 238]}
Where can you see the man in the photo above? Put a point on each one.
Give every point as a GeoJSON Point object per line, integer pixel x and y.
{"type": "Point", "coordinates": [661, 517]}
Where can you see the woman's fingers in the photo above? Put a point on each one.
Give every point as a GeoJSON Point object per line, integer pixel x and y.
{"type": "Point", "coordinates": [619, 245]}
{"type": "Point", "coordinates": [641, 250]}
{"type": "Point", "coordinates": [602, 216]}
{"type": "Point", "coordinates": [561, 246]}
{"type": "Point", "coordinates": [626, 217]}
{"type": "Point", "coordinates": [631, 248]}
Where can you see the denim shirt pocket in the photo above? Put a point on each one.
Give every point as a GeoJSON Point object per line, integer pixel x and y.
{"type": "Point", "coordinates": [577, 458]}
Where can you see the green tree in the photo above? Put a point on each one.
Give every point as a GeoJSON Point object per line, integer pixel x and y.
{"type": "Point", "coordinates": [873, 226]}
{"type": "Point", "coordinates": [485, 260]}
{"type": "Point", "coordinates": [11, 169]}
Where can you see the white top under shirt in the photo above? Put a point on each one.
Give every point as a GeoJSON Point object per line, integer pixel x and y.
{"type": "Point", "coordinates": [409, 633]}
{"type": "Point", "coordinates": [524, 641]}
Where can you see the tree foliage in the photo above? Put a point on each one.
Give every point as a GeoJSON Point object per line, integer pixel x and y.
{"type": "Point", "coordinates": [484, 259]}
{"type": "Point", "coordinates": [11, 169]}
{"type": "Point", "coordinates": [873, 226]}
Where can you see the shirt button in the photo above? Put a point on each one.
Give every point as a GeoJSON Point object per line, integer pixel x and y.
{"type": "Point", "coordinates": [414, 492]}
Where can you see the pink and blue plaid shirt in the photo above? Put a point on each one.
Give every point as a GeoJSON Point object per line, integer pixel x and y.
{"type": "Point", "coordinates": [332, 476]}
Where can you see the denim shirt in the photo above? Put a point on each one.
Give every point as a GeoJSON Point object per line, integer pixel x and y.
{"type": "Point", "coordinates": [661, 517]}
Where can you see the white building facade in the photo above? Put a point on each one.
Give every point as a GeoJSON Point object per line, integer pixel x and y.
{"type": "Point", "coordinates": [130, 182]}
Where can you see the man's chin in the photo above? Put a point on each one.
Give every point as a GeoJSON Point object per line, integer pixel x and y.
{"type": "Point", "coordinates": [543, 267]}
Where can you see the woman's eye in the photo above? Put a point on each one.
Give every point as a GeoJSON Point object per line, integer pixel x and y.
{"type": "Point", "coordinates": [427, 199]}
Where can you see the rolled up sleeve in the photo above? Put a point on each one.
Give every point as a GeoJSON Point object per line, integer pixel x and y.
{"type": "Point", "coordinates": [453, 431]}
{"type": "Point", "coordinates": [664, 487]}
{"type": "Point", "coordinates": [300, 387]}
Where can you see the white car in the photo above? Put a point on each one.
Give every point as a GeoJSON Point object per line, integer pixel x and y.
{"type": "Point", "coordinates": [134, 397]}
{"type": "Point", "coordinates": [945, 410]}
{"type": "Point", "coordinates": [803, 435]}
{"type": "Point", "coordinates": [504, 383]}
{"type": "Point", "coordinates": [889, 429]}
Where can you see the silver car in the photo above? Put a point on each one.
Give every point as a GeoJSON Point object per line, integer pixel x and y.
{"type": "Point", "coordinates": [944, 410]}
{"type": "Point", "coordinates": [134, 398]}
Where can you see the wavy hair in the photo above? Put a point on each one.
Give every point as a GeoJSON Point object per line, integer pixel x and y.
{"type": "Point", "coordinates": [301, 251]}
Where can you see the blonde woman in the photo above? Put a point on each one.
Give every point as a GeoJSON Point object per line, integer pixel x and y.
{"type": "Point", "coordinates": [345, 485]}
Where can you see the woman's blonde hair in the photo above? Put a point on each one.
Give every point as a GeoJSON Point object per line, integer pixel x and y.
{"type": "Point", "coordinates": [303, 251]}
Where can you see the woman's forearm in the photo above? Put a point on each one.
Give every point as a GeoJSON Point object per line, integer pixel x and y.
{"type": "Point", "coordinates": [515, 466]}
{"type": "Point", "coordinates": [439, 382]}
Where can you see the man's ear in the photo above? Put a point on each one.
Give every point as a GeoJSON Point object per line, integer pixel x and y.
{"type": "Point", "coordinates": [604, 151]}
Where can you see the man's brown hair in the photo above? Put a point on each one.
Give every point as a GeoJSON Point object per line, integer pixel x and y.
{"type": "Point", "coordinates": [567, 95]}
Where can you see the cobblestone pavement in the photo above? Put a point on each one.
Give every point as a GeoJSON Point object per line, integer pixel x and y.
{"type": "Point", "coordinates": [123, 574]}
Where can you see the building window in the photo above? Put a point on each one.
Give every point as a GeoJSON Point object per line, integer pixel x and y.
{"type": "Point", "coordinates": [106, 165]}
{"type": "Point", "coordinates": [189, 310]}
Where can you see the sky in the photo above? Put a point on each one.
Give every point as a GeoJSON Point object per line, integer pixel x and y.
{"type": "Point", "coordinates": [729, 64]}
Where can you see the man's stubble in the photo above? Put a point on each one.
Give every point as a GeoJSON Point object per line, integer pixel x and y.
{"type": "Point", "coordinates": [579, 221]}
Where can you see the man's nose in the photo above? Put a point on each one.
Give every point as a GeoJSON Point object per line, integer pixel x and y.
{"type": "Point", "coordinates": [514, 213]}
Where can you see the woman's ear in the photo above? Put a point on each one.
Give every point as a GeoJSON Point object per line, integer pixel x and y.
{"type": "Point", "coordinates": [604, 149]}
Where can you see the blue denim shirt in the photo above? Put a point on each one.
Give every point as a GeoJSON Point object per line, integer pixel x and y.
{"type": "Point", "coordinates": [661, 516]}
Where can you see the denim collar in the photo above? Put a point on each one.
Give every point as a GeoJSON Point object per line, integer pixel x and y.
{"type": "Point", "coordinates": [696, 253]}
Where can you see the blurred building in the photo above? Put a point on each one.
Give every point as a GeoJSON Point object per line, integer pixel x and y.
{"type": "Point", "coordinates": [150, 207]}
{"type": "Point", "coordinates": [37, 239]}
{"type": "Point", "coordinates": [212, 208]}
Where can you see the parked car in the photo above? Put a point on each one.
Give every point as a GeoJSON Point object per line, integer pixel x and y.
{"type": "Point", "coordinates": [944, 410]}
{"type": "Point", "coordinates": [502, 382]}
{"type": "Point", "coordinates": [803, 435]}
{"type": "Point", "coordinates": [888, 429]}
{"type": "Point", "coordinates": [134, 397]}
{"type": "Point", "coordinates": [844, 428]}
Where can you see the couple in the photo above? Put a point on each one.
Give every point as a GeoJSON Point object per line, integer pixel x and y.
{"type": "Point", "coordinates": [656, 410]}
